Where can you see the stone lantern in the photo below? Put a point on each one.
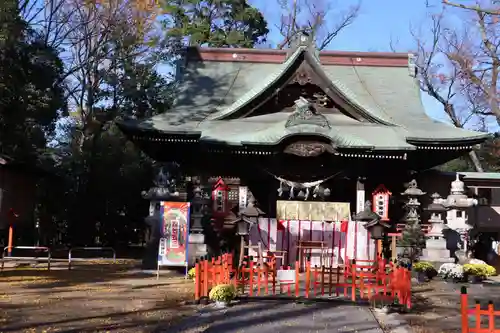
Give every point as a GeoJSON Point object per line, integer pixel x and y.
{"type": "Point", "coordinates": [164, 189]}
{"type": "Point", "coordinates": [412, 206]}
{"type": "Point", "coordinates": [200, 208]}
{"type": "Point", "coordinates": [246, 220]}
{"type": "Point", "coordinates": [373, 224]}
{"type": "Point", "coordinates": [435, 244]}
{"type": "Point", "coordinates": [457, 204]}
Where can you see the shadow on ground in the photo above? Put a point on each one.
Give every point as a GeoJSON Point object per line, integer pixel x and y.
{"type": "Point", "coordinates": [257, 315]}
{"type": "Point", "coordinates": [80, 274]}
{"type": "Point", "coordinates": [114, 298]}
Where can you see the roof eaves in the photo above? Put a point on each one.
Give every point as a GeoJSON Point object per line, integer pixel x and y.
{"type": "Point", "coordinates": [480, 175]}
{"type": "Point", "coordinates": [134, 128]}
{"type": "Point", "coordinates": [471, 140]}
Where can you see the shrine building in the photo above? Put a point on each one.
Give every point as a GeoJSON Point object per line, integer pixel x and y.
{"type": "Point", "coordinates": [300, 125]}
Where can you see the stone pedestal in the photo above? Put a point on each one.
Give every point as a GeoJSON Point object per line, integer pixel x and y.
{"type": "Point", "coordinates": [197, 247]}
{"type": "Point", "coordinates": [436, 251]}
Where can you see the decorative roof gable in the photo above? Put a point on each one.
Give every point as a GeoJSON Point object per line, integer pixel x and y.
{"type": "Point", "coordinates": [306, 114]}
{"type": "Point", "coordinates": [302, 66]}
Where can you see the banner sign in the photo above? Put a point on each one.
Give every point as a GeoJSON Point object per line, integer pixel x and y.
{"type": "Point", "coordinates": [173, 247]}
{"type": "Point", "coordinates": [312, 211]}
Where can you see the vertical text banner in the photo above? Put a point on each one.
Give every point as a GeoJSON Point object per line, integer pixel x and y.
{"type": "Point", "coordinates": [173, 248]}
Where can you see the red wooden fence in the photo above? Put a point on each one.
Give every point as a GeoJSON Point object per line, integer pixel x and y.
{"type": "Point", "coordinates": [356, 280]}
{"type": "Point", "coordinates": [478, 314]}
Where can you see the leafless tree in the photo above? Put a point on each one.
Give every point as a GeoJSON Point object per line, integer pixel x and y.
{"type": "Point", "coordinates": [474, 53]}
{"type": "Point", "coordinates": [489, 10]}
{"type": "Point", "coordinates": [440, 79]}
{"type": "Point", "coordinates": [321, 18]}
{"type": "Point", "coordinates": [85, 32]}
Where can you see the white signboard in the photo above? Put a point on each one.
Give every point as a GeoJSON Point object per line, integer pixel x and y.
{"type": "Point", "coordinates": [285, 276]}
{"type": "Point", "coordinates": [360, 201]}
{"type": "Point", "coordinates": [243, 197]}
{"type": "Point", "coordinates": [162, 246]}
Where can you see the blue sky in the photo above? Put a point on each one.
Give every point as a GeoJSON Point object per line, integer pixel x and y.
{"type": "Point", "coordinates": [379, 22]}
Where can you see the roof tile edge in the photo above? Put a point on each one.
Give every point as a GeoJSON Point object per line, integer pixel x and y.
{"type": "Point", "coordinates": [273, 56]}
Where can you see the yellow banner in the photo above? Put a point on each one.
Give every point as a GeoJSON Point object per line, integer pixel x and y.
{"type": "Point", "coordinates": [312, 211]}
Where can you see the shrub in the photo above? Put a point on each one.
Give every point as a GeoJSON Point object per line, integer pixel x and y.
{"type": "Point", "coordinates": [192, 273]}
{"type": "Point", "coordinates": [479, 270]}
{"type": "Point", "coordinates": [222, 293]}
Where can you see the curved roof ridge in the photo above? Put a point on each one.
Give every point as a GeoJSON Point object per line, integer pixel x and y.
{"type": "Point", "coordinates": [254, 92]}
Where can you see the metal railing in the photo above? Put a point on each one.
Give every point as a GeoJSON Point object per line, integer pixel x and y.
{"type": "Point", "coordinates": [36, 248]}
{"type": "Point", "coordinates": [71, 259]}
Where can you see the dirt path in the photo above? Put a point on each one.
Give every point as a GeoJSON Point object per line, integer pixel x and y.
{"type": "Point", "coordinates": [94, 298]}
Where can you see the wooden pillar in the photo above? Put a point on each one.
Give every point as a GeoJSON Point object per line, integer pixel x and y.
{"type": "Point", "coordinates": [379, 247]}
{"type": "Point", "coordinates": [10, 241]}
{"type": "Point", "coordinates": [360, 206]}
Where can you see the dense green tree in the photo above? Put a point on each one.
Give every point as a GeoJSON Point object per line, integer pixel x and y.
{"type": "Point", "coordinates": [215, 23]}
{"type": "Point", "coordinates": [31, 93]}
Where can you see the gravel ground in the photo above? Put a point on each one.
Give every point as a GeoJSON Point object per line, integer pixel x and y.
{"type": "Point", "coordinates": [99, 298]}
{"type": "Point", "coordinates": [436, 305]}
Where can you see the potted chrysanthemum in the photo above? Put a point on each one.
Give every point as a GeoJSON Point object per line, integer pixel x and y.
{"type": "Point", "coordinates": [222, 294]}
{"type": "Point", "coordinates": [424, 270]}
{"type": "Point", "coordinates": [192, 274]}
{"type": "Point", "coordinates": [450, 271]}
{"type": "Point", "coordinates": [478, 272]}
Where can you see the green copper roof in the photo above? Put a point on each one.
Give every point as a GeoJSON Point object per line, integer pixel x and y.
{"type": "Point", "coordinates": [270, 129]}
{"type": "Point", "coordinates": [210, 91]}
{"type": "Point", "coordinates": [480, 175]}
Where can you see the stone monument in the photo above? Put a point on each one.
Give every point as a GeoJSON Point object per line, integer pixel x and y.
{"type": "Point", "coordinates": [412, 238]}
{"type": "Point", "coordinates": [200, 203]}
{"type": "Point", "coordinates": [457, 204]}
{"type": "Point", "coordinates": [435, 244]}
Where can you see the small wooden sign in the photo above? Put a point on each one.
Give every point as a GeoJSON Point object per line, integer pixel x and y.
{"type": "Point", "coordinates": [285, 276]}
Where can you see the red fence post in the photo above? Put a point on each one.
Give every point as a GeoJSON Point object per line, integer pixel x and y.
{"type": "Point", "coordinates": [204, 293]}
{"type": "Point", "coordinates": [297, 279]}
{"type": "Point", "coordinates": [308, 277]}
{"type": "Point", "coordinates": [353, 280]}
{"type": "Point", "coordinates": [464, 307]}
{"type": "Point", "coordinates": [250, 277]}
{"type": "Point", "coordinates": [197, 281]}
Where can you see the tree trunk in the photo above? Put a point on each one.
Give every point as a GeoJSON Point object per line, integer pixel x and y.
{"type": "Point", "coordinates": [475, 161]}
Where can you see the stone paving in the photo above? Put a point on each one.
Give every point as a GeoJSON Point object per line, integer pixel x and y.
{"type": "Point", "coordinates": [258, 316]}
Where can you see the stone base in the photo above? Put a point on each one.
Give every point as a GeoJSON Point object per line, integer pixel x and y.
{"type": "Point", "coordinates": [197, 247]}
{"type": "Point", "coordinates": [436, 251]}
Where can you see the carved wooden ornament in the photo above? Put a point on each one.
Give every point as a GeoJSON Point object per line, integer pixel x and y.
{"type": "Point", "coordinates": [308, 148]}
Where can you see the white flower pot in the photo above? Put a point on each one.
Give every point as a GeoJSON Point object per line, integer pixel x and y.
{"type": "Point", "coordinates": [476, 279]}
{"type": "Point", "coordinates": [221, 304]}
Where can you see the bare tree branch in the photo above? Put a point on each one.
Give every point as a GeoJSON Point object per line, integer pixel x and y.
{"type": "Point", "coordinates": [317, 17]}
{"type": "Point", "coordinates": [439, 81]}
{"type": "Point", "coordinates": [477, 8]}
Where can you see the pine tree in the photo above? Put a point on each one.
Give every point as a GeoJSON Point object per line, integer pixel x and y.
{"type": "Point", "coordinates": [412, 239]}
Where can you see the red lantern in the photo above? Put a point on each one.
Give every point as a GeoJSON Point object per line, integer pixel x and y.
{"type": "Point", "coordinates": [220, 194]}
{"type": "Point", "coordinates": [380, 199]}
